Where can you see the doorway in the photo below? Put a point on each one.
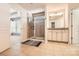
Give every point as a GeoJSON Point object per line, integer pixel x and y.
{"type": "Point", "coordinates": [75, 26]}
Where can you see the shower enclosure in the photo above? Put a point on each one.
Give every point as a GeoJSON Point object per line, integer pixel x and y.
{"type": "Point", "coordinates": [37, 25]}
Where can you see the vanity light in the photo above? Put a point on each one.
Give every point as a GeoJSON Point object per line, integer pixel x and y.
{"type": "Point", "coordinates": [60, 14]}
{"type": "Point", "coordinates": [52, 14]}
{"type": "Point", "coordinates": [56, 14]}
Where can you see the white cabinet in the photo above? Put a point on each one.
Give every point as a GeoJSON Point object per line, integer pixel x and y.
{"type": "Point", "coordinates": [49, 35]}
{"type": "Point", "coordinates": [58, 35]}
{"type": "Point", "coordinates": [54, 38]}
{"type": "Point", "coordinates": [65, 36]}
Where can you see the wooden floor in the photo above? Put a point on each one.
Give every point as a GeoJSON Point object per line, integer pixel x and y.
{"type": "Point", "coordinates": [49, 49]}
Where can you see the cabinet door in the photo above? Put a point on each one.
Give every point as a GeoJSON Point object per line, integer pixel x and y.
{"type": "Point", "coordinates": [54, 37]}
{"type": "Point", "coordinates": [65, 35]}
{"type": "Point", "coordinates": [49, 35]}
{"type": "Point", "coordinates": [59, 35]}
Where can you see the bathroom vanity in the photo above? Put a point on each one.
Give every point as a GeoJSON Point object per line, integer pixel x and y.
{"type": "Point", "coordinates": [57, 30]}
{"type": "Point", "coordinates": [58, 34]}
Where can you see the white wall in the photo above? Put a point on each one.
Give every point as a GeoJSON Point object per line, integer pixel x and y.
{"type": "Point", "coordinates": [4, 27]}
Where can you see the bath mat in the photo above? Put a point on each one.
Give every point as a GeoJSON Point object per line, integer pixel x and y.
{"type": "Point", "coordinates": [32, 43]}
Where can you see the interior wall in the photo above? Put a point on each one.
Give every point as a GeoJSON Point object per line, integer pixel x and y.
{"type": "Point", "coordinates": [4, 27]}
{"type": "Point", "coordinates": [73, 5]}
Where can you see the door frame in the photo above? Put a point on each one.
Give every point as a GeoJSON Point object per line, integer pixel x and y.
{"type": "Point", "coordinates": [71, 25]}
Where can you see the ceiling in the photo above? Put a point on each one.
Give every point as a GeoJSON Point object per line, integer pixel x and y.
{"type": "Point", "coordinates": [32, 5]}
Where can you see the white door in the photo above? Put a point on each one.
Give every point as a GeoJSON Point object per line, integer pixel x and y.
{"type": "Point", "coordinates": [75, 28]}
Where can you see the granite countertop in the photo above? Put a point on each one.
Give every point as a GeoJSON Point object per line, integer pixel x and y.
{"type": "Point", "coordinates": [57, 28]}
